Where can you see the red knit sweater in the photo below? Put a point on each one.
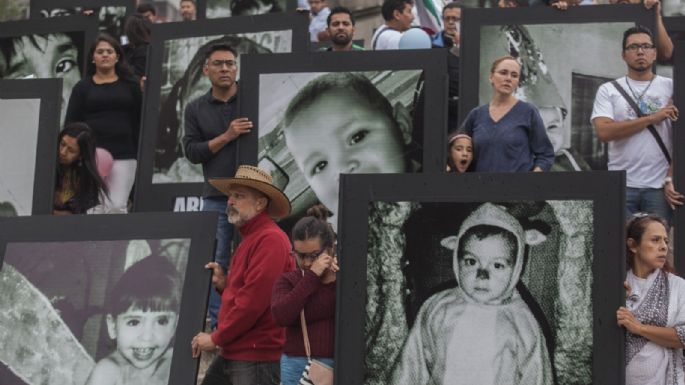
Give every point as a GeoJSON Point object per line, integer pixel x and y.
{"type": "Point", "coordinates": [292, 292]}
{"type": "Point", "coordinates": [246, 330]}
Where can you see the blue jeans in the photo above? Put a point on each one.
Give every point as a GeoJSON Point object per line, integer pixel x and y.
{"type": "Point", "coordinates": [293, 366]}
{"type": "Point", "coordinates": [224, 235]}
{"type": "Point", "coordinates": [647, 200]}
{"type": "Point", "coordinates": [231, 372]}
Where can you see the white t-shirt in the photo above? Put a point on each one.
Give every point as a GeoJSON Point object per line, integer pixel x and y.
{"type": "Point", "coordinates": [639, 154]}
{"type": "Point", "coordinates": [385, 38]}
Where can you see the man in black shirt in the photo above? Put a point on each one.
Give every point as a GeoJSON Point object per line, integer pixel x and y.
{"type": "Point", "coordinates": [211, 130]}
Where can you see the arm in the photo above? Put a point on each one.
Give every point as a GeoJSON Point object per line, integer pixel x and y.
{"type": "Point", "coordinates": [540, 146]}
{"type": "Point", "coordinates": [76, 104]}
{"type": "Point", "coordinates": [266, 264]}
{"type": "Point", "coordinates": [673, 197]}
{"type": "Point", "coordinates": [664, 45]}
{"type": "Point", "coordinates": [668, 337]}
{"type": "Point", "coordinates": [287, 301]}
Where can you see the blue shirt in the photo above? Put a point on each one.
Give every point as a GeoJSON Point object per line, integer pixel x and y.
{"type": "Point", "coordinates": [517, 142]}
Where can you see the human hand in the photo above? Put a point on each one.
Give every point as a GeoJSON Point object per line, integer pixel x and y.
{"type": "Point", "coordinates": [238, 127]}
{"type": "Point", "coordinates": [321, 264]}
{"type": "Point", "coordinates": [537, 169]}
{"type": "Point", "coordinates": [142, 83]}
{"type": "Point", "coordinates": [673, 197]}
{"type": "Point", "coordinates": [201, 341]}
{"type": "Point", "coordinates": [625, 318]}
{"type": "Point", "coordinates": [668, 112]}
{"type": "Point", "coordinates": [218, 276]}
{"type": "Point", "coordinates": [329, 274]}
{"type": "Point", "coordinates": [560, 5]}
{"type": "Point", "coordinates": [650, 3]}
{"type": "Point", "coordinates": [454, 36]}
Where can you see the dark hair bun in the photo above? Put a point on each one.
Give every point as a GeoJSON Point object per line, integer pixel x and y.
{"type": "Point", "coordinates": [319, 211]}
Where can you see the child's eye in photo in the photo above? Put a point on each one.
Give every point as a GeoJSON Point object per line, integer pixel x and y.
{"type": "Point", "coordinates": [133, 322]}
{"type": "Point", "coordinates": [500, 266]}
{"type": "Point", "coordinates": [163, 320]}
{"type": "Point", "coordinates": [469, 262]}
{"type": "Point", "coordinates": [358, 136]}
{"type": "Point", "coordinates": [319, 167]}
{"type": "Point", "coordinates": [64, 65]}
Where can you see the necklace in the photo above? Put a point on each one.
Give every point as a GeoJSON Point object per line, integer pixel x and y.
{"type": "Point", "coordinates": [638, 98]}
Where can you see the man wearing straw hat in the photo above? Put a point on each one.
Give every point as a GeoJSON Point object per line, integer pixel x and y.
{"type": "Point", "coordinates": [249, 340]}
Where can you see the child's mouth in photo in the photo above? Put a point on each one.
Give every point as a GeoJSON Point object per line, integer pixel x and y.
{"type": "Point", "coordinates": [463, 162]}
{"type": "Point", "coordinates": [143, 354]}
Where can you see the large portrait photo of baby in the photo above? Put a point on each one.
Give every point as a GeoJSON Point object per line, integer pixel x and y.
{"type": "Point", "coordinates": [315, 126]}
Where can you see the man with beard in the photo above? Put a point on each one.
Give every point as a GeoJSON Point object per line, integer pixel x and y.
{"type": "Point", "coordinates": [249, 340]}
{"type": "Point", "coordinates": [633, 114]}
{"type": "Point", "coordinates": [212, 127]}
{"type": "Point", "coordinates": [341, 30]}
{"type": "Point", "coordinates": [188, 10]}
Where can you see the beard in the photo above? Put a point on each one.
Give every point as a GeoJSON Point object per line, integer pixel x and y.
{"type": "Point", "coordinates": [341, 39]}
{"type": "Point", "coordinates": [238, 218]}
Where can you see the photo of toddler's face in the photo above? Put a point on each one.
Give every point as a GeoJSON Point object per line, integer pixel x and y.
{"type": "Point", "coordinates": [485, 268]}
{"type": "Point", "coordinates": [142, 336]}
{"type": "Point", "coordinates": [326, 145]}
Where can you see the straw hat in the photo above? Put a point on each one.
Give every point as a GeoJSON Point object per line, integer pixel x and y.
{"type": "Point", "coordinates": [260, 180]}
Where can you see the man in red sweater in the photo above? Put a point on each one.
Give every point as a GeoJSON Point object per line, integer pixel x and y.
{"type": "Point", "coordinates": [249, 340]}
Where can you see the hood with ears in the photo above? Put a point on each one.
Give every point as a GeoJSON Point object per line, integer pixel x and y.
{"type": "Point", "coordinates": [497, 216]}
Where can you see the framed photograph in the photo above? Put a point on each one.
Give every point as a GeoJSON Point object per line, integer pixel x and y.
{"type": "Point", "coordinates": [564, 56]}
{"type": "Point", "coordinates": [166, 180]}
{"type": "Point", "coordinates": [318, 115]}
{"type": "Point", "coordinates": [678, 142]}
{"type": "Point", "coordinates": [88, 297]}
{"type": "Point", "coordinates": [48, 48]}
{"type": "Point", "coordinates": [214, 9]}
{"type": "Point", "coordinates": [28, 143]}
{"type": "Point", "coordinates": [111, 14]}
{"type": "Point", "coordinates": [475, 278]}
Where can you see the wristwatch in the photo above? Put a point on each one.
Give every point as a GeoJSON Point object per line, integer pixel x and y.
{"type": "Point", "coordinates": [668, 180]}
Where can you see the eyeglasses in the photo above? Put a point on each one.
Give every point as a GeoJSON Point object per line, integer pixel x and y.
{"type": "Point", "coordinates": [307, 256]}
{"type": "Point", "coordinates": [635, 47]}
{"type": "Point", "coordinates": [221, 63]}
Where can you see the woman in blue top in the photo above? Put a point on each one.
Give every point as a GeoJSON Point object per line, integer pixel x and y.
{"type": "Point", "coordinates": [508, 134]}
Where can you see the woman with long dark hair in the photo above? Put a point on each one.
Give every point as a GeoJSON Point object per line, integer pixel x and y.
{"type": "Point", "coordinates": [310, 289]}
{"type": "Point", "coordinates": [109, 100]}
{"type": "Point", "coordinates": [654, 315]}
{"type": "Point", "coordinates": [137, 31]}
{"type": "Point", "coordinates": [78, 186]}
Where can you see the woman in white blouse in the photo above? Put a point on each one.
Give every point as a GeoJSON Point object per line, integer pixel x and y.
{"type": "Point", "coordinates": [654, 315]}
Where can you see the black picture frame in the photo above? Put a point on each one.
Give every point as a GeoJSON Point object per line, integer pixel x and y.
{"type": "Point", "coordinates": [433, 114]}
{"type": "Point", "coordinates": [290, 5]}
{"type": "Point", "coordinates": [151, 196]}
{"type": "Point", "coordinates": [81, 29]}
{"type": "Point", "coordinates": [198, 228]}
{"type": "Point", "coordinates": [573, 129]}
{"type": "Point", "coordinates": [37, 6]}
{"type": "Point", "coordinates": [605, 189]}
{"type": "Point", "coordinates": [49, 91]}
{"type": "Point", "coordinates": [678, 141]}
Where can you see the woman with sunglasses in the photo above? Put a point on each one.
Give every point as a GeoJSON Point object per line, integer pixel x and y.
{"type": "Point", "coordinates": [311, 287]}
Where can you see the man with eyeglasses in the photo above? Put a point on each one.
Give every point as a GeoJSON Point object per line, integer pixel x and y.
{"type": "Point", "coordinates": [633, 114]}
{"type": "Point", "coordinates": [449, 36]}
{"type": "Point", "coordinates": [212, 128]}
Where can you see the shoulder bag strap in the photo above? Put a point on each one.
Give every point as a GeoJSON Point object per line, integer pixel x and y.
{"type": "Point", "coordinates": [375, 42]}
{"type": "Point", "coordinates": [639, 113]}
{"type": "Point", "coordinates": [307, 349]}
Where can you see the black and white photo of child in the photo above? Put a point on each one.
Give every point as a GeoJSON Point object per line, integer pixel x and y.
{"type": "Point", "coordinates": [479, 293]}
{"type": "Point", "coordinates": [90, 312]}
{"type": "Point", "coordinates": [315, 126]}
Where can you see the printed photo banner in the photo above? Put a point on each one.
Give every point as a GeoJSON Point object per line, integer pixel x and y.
{"type": "Point", "coordinates": [215, 9]}
{"type": "Point", "coordinates": [509, 278]}
{"type": "Point", "coordinates": [166, 180]}
{"type": "Point", "coordinates": [28, 143]}
{"type": "Point", "coordinates": [111, 14]}
{"type": "Point", "coordinates": [564, 56]}
{"type": "Point", "coordinates": [47, 48]}
{"type": "Point", "coordinates": [87, 297]}
{"type": "Point", "coordinates": [321, 114]}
